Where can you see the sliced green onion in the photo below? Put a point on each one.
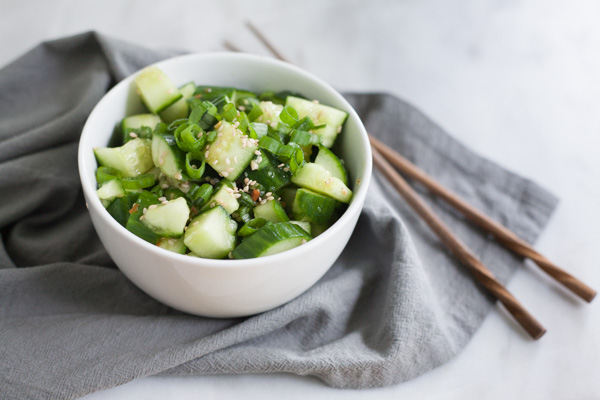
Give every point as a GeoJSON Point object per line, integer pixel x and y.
{"type": "Point", "coordinates": [289, 116]}
{"type": "Point", "coordinates": [304, 138]}
{"type": "Point", "coordinates": [229, 112]}
{"type": "Point", "coordinates": [305, 124]}
{"type": "Point", "coordinates": [275, 147]}
{"type": "Point", "coordinates": [251, 226]}
{"type": "Point", "coordinates": [192, 170]}
{"type": "Point", "coordinates": [138, 182]}
{"type": "Point", "coordinates": [260, 129]}
{"type": "Point", "coordinates": [199, 195]}
{"type": "Point", "coordinates": [104, 174]}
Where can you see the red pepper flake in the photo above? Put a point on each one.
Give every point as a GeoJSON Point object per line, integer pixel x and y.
{"type": "Point", "coordinates": [134, 208]}
{"type": "Point", "coordinates": [198, 96]}
{"type": "Point", "coordinates": [255, 194]}
{"type": "Point", "coordinates": [194, 211]}
{"type": "Point", "coordinates": [158, 243]}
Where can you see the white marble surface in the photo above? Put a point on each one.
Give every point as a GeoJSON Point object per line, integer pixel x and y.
{"type": "Point", "coordinates": [494, 73]}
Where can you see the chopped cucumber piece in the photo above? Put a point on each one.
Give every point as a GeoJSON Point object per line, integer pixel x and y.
{"type": "Point", "coordinates": [133, 122]}
{"type": "Point", "coordinates": [288, 194]}
{"type": "Point", "coordinates": [332, 163]}
{"type": "Point", "coordinates": [156, 89]}
{"type": "Point", "coordinates": [320, 115]}
{"type": "Point", "coordinates": [223, 196]}
{"type": "Point", "coordinates": [312, 207]}
{"type": "Point", "coordinates": [270, 113]}
{"type": "Point", "coordinates": [168, 219]}
{"type": "Point", "coordinates": [316, 177]}
{"type": "Point", "coordinates": [271, 239]}
{"type": "Point", "coordinates": [307, 226]}
{"type": "Point", "coordinates": [109, 191]}
{"type": "Point", "coordinates": [132, 159]}
{"type": "Point", "coordinates": [172, 244]}
{"type": "Point", "coordinates": [167, 156]}
{"type": "Point", "coordinates": [180, 108]}
{"type": "Point", "coordinates": [231, 152]}
{"type": "Point", "coordinates": [119, 209]}
{"type": "Point", "coordinates": [134, 225]}
{"type": "Point", "coordinates": [271, 211]}
{"type": "Point", "coordinates": [268, 173]}
{"type": "Point", "coordinates": [211, 234]}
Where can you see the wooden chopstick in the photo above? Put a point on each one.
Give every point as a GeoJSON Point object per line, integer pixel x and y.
{"type": "Point", "coordinates": [464, 255]}
{"type": "Point", "coordinates": [264, 41]}
{"type": "Point", "coordinates": [504, 235]}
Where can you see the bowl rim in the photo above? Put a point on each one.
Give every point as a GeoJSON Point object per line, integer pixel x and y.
{"type": "Point", "coordinates": [354, 207]}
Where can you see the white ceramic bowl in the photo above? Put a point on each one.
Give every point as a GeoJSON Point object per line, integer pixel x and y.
{"type": "Point", "coordinates": [224, 288]}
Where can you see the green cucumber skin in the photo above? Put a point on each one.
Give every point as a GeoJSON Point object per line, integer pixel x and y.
{"type": "Point", "coordinates": [259, 243]}
{"type": "Point", "coordinates": [135, 226]}
{"type": "Point", "coordinates": [119, 209]}
{"type": "Point", "coordinates": [167, 156]}
{"type": "Point", "coordinates": [268, 174]}
{"type": "Point", "coordinates": [332, 163]}
{"type": "Point", "coordinates": [315, 207]}
{"type": "Point", "coordinates": [315, 177]}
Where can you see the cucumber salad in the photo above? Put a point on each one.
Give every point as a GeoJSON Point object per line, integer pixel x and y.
{"type": "Point", "coordinates": [219, 172]}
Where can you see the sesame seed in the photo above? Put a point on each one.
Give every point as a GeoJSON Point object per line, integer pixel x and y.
{"type": "Point", "coordinates": [253, 165]}
{"type": "Point", "coordinates": [227, 161]}
{"type": "Point", "coordinates": [216, 161]}
{"type": "Point", "coordinates": [268, 194]}
{"type": "Point", "coordinates": [164, 186]}
{"type": "Point", "coordinates": [344, 192]}
{"type": "Point", "coordinates": [339, 129]}
{"type": "Point", "coordinates": [225, 174]}
{"type": "Point", "coordinates": [316, 101]}
{"type": "Point", "coordinates": [270, 198]}
{"type": "Point", "coordinates": [257, 152]}
{"type": "Point", "coordinates": [273, 125]}
{"type": "Point", "coordinates": [142, 217]}
{"type": "Point", "coordinates": [195, 223]}
{"type": "Point", "coordinates": [206, 154]}
{"type": "Point", "coordinates": [208, 90]}
{"type": "Point", "coordinates": [171, 242]}
{"type": "Point", "coordinates": [219, 134]}
{"type": "Point", "coordinates": [259, 159]}
{"type": "Point", "coordinates": [303, 241]}
{"type": "Point", "coordinates": [246, 188]}
{"type": "Point", "coordinates": [237, 195]}
{"type": "Point", "coordinates": [161, 199]}
{"type": "Point", "coordinates": [144, 210]}
{"type": "Point", "coordinates": [207, 147]}
{"type": "Point", "coordinates": [230, 255]}
{"type": "Point", "coordinates": [237, 123]}
{"type": "Point", "coordinates": [178, 176]}
{"type": "Point", "coordinates": [263, 202]}
{"type": "Point", "coordinates": [281, 165]}
{"type": "Point", "coordinates": [230, 190]}
{"type": "Point", "coordinates": [286, 169]}
{"type": "Point", "coordinates": [230, 169]}
{"type": "Point", "coordinates": [212, 204]}
{"type": "Point", "coordinates": [164, 202]}
{"type": "Point", "coordinates": [242, 108]}
{"type": "Point", "coordinates": [235, 160]}
{"type": "Point", "coordinates": [200, 134]}
{"type": "Point", "coordinates": [152, 206]}
{"type": "Point", "coordinates": [133, 134]}
{"type": "Point", "coordinates": [246, 180]}
{"type": "Point", "coordinates": [218, 124]}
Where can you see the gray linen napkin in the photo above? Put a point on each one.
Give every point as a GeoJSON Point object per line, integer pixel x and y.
{"type": "Point", "coordinates": [394, 305]}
